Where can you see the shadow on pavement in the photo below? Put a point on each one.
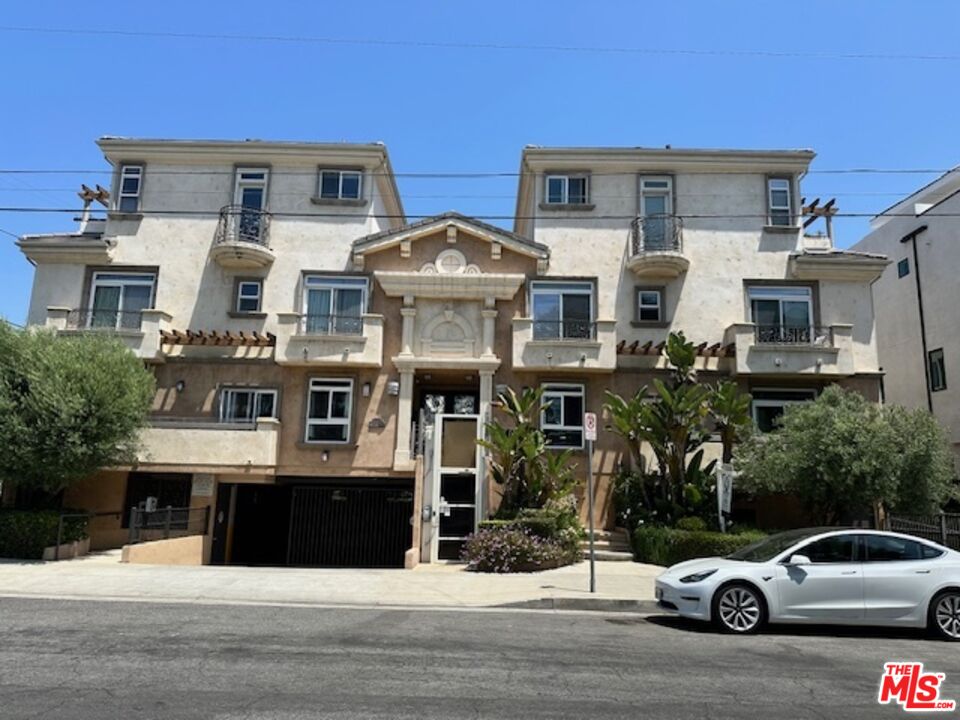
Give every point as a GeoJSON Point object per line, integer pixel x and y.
{"type": "Point", "coordinates": [835, 631]}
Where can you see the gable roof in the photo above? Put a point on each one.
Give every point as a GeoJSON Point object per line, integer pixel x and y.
{"type": "Point", "coordinates": [426, 226]}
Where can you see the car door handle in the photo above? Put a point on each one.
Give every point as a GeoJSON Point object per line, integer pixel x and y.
{"type": "Point", "coordinates": [848, 572]}
{"type": "Point", "coordinates": [922, 572]}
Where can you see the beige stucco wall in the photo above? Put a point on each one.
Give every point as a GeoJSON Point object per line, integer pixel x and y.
{"type": "Point", "coordinates": [190, 550]}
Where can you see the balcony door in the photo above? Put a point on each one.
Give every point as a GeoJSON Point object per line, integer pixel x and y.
{"type": "Point", "coordinates": [782, 314]}
{"type": "Point", "coordinates": [250, 196]}
{"type": "Point", "coordinates": [334, 305]}
{"type": "Point", "coordinates": [117, 299]}
{"type": "Point", "coordinates": [656, 209]}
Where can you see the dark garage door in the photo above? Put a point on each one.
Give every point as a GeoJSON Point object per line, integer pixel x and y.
{"type": "Point", "coordinates": [350, 526]}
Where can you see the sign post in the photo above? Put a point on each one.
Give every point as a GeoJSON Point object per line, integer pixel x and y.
{"type": "Point", "coordinates": [590, 434]}
{"type": "Point", "coordinates": [724, 493]}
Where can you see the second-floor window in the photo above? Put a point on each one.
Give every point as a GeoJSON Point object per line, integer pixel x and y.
{"type": "Point", "coordinates": [341, 184]}
{"type": "Point", "coordinates": [779, 202]}
{"type": "Point", "coordinates": [117, 299]}
{"type": "Point", "coordinates": [768, 406]}
{"type": "Point", "coordinates": [128, 190]}
{"type": "Point", "coordinates": [249, 294]}
{"type": "Point", "coordinates": [329, 408]}
{"type": "Point", "coordinates": [567, 190]}
{"type": "Point", "coordinates": [247, 404]}
{"type": "Point", "coordinates": [561, 415]}
{"type": "Point", "coordinates": [334, 305]}
{"type": "Point", "coordinates": [562, 310]}
{"type": "Point", "coordinates": [649, 305]}
{"type": "Point", "coordinates": [782, 314]}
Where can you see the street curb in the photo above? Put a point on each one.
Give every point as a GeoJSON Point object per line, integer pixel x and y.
{"type": "Point", "coordinates": [591, 604]}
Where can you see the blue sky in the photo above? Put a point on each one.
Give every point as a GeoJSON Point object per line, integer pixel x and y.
{"type": "Point", "coordinates": [469, 109]}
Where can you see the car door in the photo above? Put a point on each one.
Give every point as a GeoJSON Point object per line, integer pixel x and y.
{"type": "Point", "coordinates": [899, 575]}
{"type": "Point", "coordinates": [829, 589]}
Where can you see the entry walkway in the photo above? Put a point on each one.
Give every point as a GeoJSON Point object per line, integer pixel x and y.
{"type": "Point", "coordinates": [620, 585]}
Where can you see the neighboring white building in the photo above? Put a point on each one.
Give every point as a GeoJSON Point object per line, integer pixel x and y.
{"type": "Point", "coordinates": [917, 298]}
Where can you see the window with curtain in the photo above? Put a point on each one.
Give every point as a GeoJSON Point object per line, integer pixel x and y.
{"type": "Point", "coordinates": [334, 305]}
{"type": "Point", "coordinates": [782, 314]}
{"type": "Point", "coordinates": [117, 299]}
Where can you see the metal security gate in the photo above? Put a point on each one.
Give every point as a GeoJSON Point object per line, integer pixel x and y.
{"type": "Point", "coordinates": [350, 526]}
{"type": "Point", "coordinates": [943, 528]}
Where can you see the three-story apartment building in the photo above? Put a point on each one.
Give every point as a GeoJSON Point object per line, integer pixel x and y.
{"type": "Point", "coordinates": [324, 367]}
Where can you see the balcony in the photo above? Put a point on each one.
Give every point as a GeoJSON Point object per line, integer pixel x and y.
{"type": "Point", "coordinates": [564, 345]}
{"type": "Point", "coordinates": [780, 350]}
{"type": "Point", "coordinates": [207, 444]}
{"type": "Point", "coordinates": [139, 330]}
{"type": "Point", "coordinates": [242, 238]}
{"type": "Point", "coordinates": [656, 247]}
{"type": "Point", "coordinates": [330, 340]}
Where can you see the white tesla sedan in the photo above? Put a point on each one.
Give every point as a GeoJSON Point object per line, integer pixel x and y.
{"type": "Point", "coordinates": [821, 575]}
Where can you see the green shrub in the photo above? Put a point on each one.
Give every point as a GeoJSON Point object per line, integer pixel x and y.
{"type": "Point", "coordinates": [25, 533]}
{"type": "Point", "coordinates": [692, 523]}
{"type": "Point", "coordinates": [668, 546]}
{"type": "Point", "coordinates": [505, 548]}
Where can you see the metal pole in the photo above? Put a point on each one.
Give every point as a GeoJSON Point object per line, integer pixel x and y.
{"type": "Point", "coordinates": [593, 558]}
{"type": "Point", "coordinates": [133, 525]}
{"type": "Point", "coordinates": [56, 550]}
{"type": "Point", "coordinates": [166, 523]}
{"type": "Point", "coordinates": [943, 529]}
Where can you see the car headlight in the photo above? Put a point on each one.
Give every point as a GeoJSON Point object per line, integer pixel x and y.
{"type": "Point", "coordinates": [697, 577]}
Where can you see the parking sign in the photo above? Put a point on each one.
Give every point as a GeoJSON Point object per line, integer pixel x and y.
{"type": "Point", "coordinates": [590, 426]}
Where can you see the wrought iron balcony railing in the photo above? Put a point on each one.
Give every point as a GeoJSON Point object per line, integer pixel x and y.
{"type": "Point", "coordinates": [785, 335]}
{"type": "Point", "coordinates": [243, 224]}
{"type": "Point", "coordinates": [103, 319]}
{"type": "Point", "coordinates": [311, 324]}
{"type": "Point", "coordinates": [657, 233]}
{"type": "Point", "coordinates": [564, 330]}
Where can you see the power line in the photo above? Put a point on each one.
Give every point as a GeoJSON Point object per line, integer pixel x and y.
{"type": "Point", "coordinates": [7, 232]}
{"type": "Point", "coordinates": [523, 47]}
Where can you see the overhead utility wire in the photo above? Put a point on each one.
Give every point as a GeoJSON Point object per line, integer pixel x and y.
{"type": "Point", "coordinates": [459, 45]}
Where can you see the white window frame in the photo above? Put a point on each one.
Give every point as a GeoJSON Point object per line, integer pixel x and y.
{"type": "Point", "coordinates": [565, 193]}
{"type": "Point", "coordinates": [783, 294]}
{"type": "Point", "coordinates": [334, 283]}
{"type": "Point", "coordinates": [240, 296]}
{"type": "Point", "coordinates": [108, 278]}
{"type": "Point", "coordinates": [257, 392]}
{"type": "Point", "coordinates": [331, 385]}
{"type": "Point", "coordinates": [340, 172]}
{"type": "Point", "coordinates": [780, 184]}
{"type": "Point", "coordinates": [245, 178]}
{"type": "Point", "coordinates": [126, 172]}
{"type": "Point", "coordinates": [665, 191]}
{"type": "Point", "coordinates": [756, 403]}
{"type": "Point", "coordinates": [561, 391]}
{"type": "Point", "coordinates": [641, 306]}
{"type": "Point", "coordinates": [561, 288]}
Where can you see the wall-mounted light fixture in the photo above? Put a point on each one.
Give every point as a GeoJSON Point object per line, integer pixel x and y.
{"type": "Point", "coordinates": [324, 456]}
{"type": "Point", "coordinates": [393, 388]}
{"type": "Point", "coordinates": [365, 389]}
{"type": "Point", "coordinates": [180, 386]}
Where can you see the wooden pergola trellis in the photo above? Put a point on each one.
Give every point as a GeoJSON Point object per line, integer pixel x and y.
{"type": "Point", "coordinates": [651, 348]}
{"type": "Point", "coordinates": [215, 337]}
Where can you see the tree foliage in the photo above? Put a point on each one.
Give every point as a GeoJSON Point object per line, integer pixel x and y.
{"type": "Point", "coordinates": [68, 406]}
{"type": "Point", "coordinates": [520, 459]}
{"type": "Point", "coordinates": [842, 455]}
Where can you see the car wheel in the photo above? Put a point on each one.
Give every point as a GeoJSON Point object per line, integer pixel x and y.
{"type": "Point", "coordinates": [945, 615]}
{"type": "Point", "coordinates": [739, 609]}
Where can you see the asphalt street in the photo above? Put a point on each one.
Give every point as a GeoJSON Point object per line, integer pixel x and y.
{"type": "Point", "coordinates": [97, 661]}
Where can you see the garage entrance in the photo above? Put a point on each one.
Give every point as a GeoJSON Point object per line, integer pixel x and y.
{"type": "Point", "coordinates": [320, 524]}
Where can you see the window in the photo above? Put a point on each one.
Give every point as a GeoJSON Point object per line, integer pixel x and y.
{"type": "Point", "coordinates": [329, 407]}
{"type": "Point", "coordinates": [170, 491]}
{"type": "Point", "coordinates": [889, 548]}
{"type": "Point", "coordinates": [782, 314]}
{"type": "Point", "coordinates": [656, 208]}
{"type": "Point", "coordinates": [562, 310]}
{"type": "Point", "coordinates": [561, 415]}
{"type": "Point", "coordinates": [334, 305]}
{"type": "Point", "coordinates": [649, 305]}
{"type": "Point", "coordinates": [250, 194]}
{"type": "Point", "coordinates": [903, 268]}
{"type": "Point", "coordinates": [779, 202]}
{"type": "Point", "coordinates": [768, 405]}
{"type": "Point", "coordinates": [128, 190]}
{"type": "Point", "coordinates": [567, 190]}
{"type": "Point", "coordinates": [116, 300]}
{"type": "Point", "coordinates": [248, 296]}
{"type": "Point", "coordinates": [938, 372]}
{"type": "Point", "coordinates": [247, 404]}
{"type": "Point", "coordinates": [835, 549]}
{"type": "Point", "coordinates": [340, 184]}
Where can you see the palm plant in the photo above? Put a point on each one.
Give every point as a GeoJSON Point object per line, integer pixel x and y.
{"type": "Point", "coordinates": [730, 410]}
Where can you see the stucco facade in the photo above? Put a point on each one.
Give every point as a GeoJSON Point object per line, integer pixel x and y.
{"type": "Point", "coordinates": [353, 334]}
{"type": "Point", "coordinates": [916, 299]}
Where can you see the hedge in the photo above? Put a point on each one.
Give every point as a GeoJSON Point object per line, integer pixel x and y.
{"type": "Point", "coordinates": [668, 546]}
{"type": "Point", "coordinates": [25, 533]}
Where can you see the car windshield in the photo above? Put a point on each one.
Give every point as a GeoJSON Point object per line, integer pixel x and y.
{"type": "Point", "coordinates": [768, 548]}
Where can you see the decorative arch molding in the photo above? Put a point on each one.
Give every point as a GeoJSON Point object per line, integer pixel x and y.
{"type": "Point", "coordinates": [449, 334]}
{"type": "Point", "coordinates": [450, 262]}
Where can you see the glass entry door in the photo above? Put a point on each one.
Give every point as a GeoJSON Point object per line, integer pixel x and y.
{"type": "Point", "coordinates": [457, 486]}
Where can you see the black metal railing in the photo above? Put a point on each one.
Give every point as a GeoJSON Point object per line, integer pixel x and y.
{"type": "Point", "coordinates": [943, 528]}
{"type": "Point", "coordinates": [164, 523]}
{"type": "Point", "coordinates": [243, 224]}
{"type": "Point", "coordinates": [312, 324]}
{"type": "Point", "coordinates": [564, 330]}
{"type": "Point", "coordinates": [102, 319]}
{"type": "Point", "coordinates": [657, 233]}
{"type": "Point", "coordinates": [787, 335]}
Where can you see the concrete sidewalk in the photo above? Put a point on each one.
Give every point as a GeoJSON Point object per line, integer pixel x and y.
{"type": "Point", "coordinates": [620, 585]}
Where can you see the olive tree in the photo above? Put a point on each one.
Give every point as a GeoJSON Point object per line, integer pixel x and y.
{"type": "Point", "coordinates": [69, 406]}
{"type": "Point", "coordinates": [843, 455]}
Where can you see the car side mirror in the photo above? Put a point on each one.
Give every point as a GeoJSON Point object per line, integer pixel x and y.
{"type": "Point", "coordinates": [798, 559]}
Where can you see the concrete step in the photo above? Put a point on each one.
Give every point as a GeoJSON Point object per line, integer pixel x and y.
{"type": "Point", "coordinates": [614, 545]}
{"type": "Point", "coordinates": [610, 555]}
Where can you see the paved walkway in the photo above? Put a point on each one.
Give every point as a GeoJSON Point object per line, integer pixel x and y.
{"type": "Point", "coordinates": [101, 575]}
